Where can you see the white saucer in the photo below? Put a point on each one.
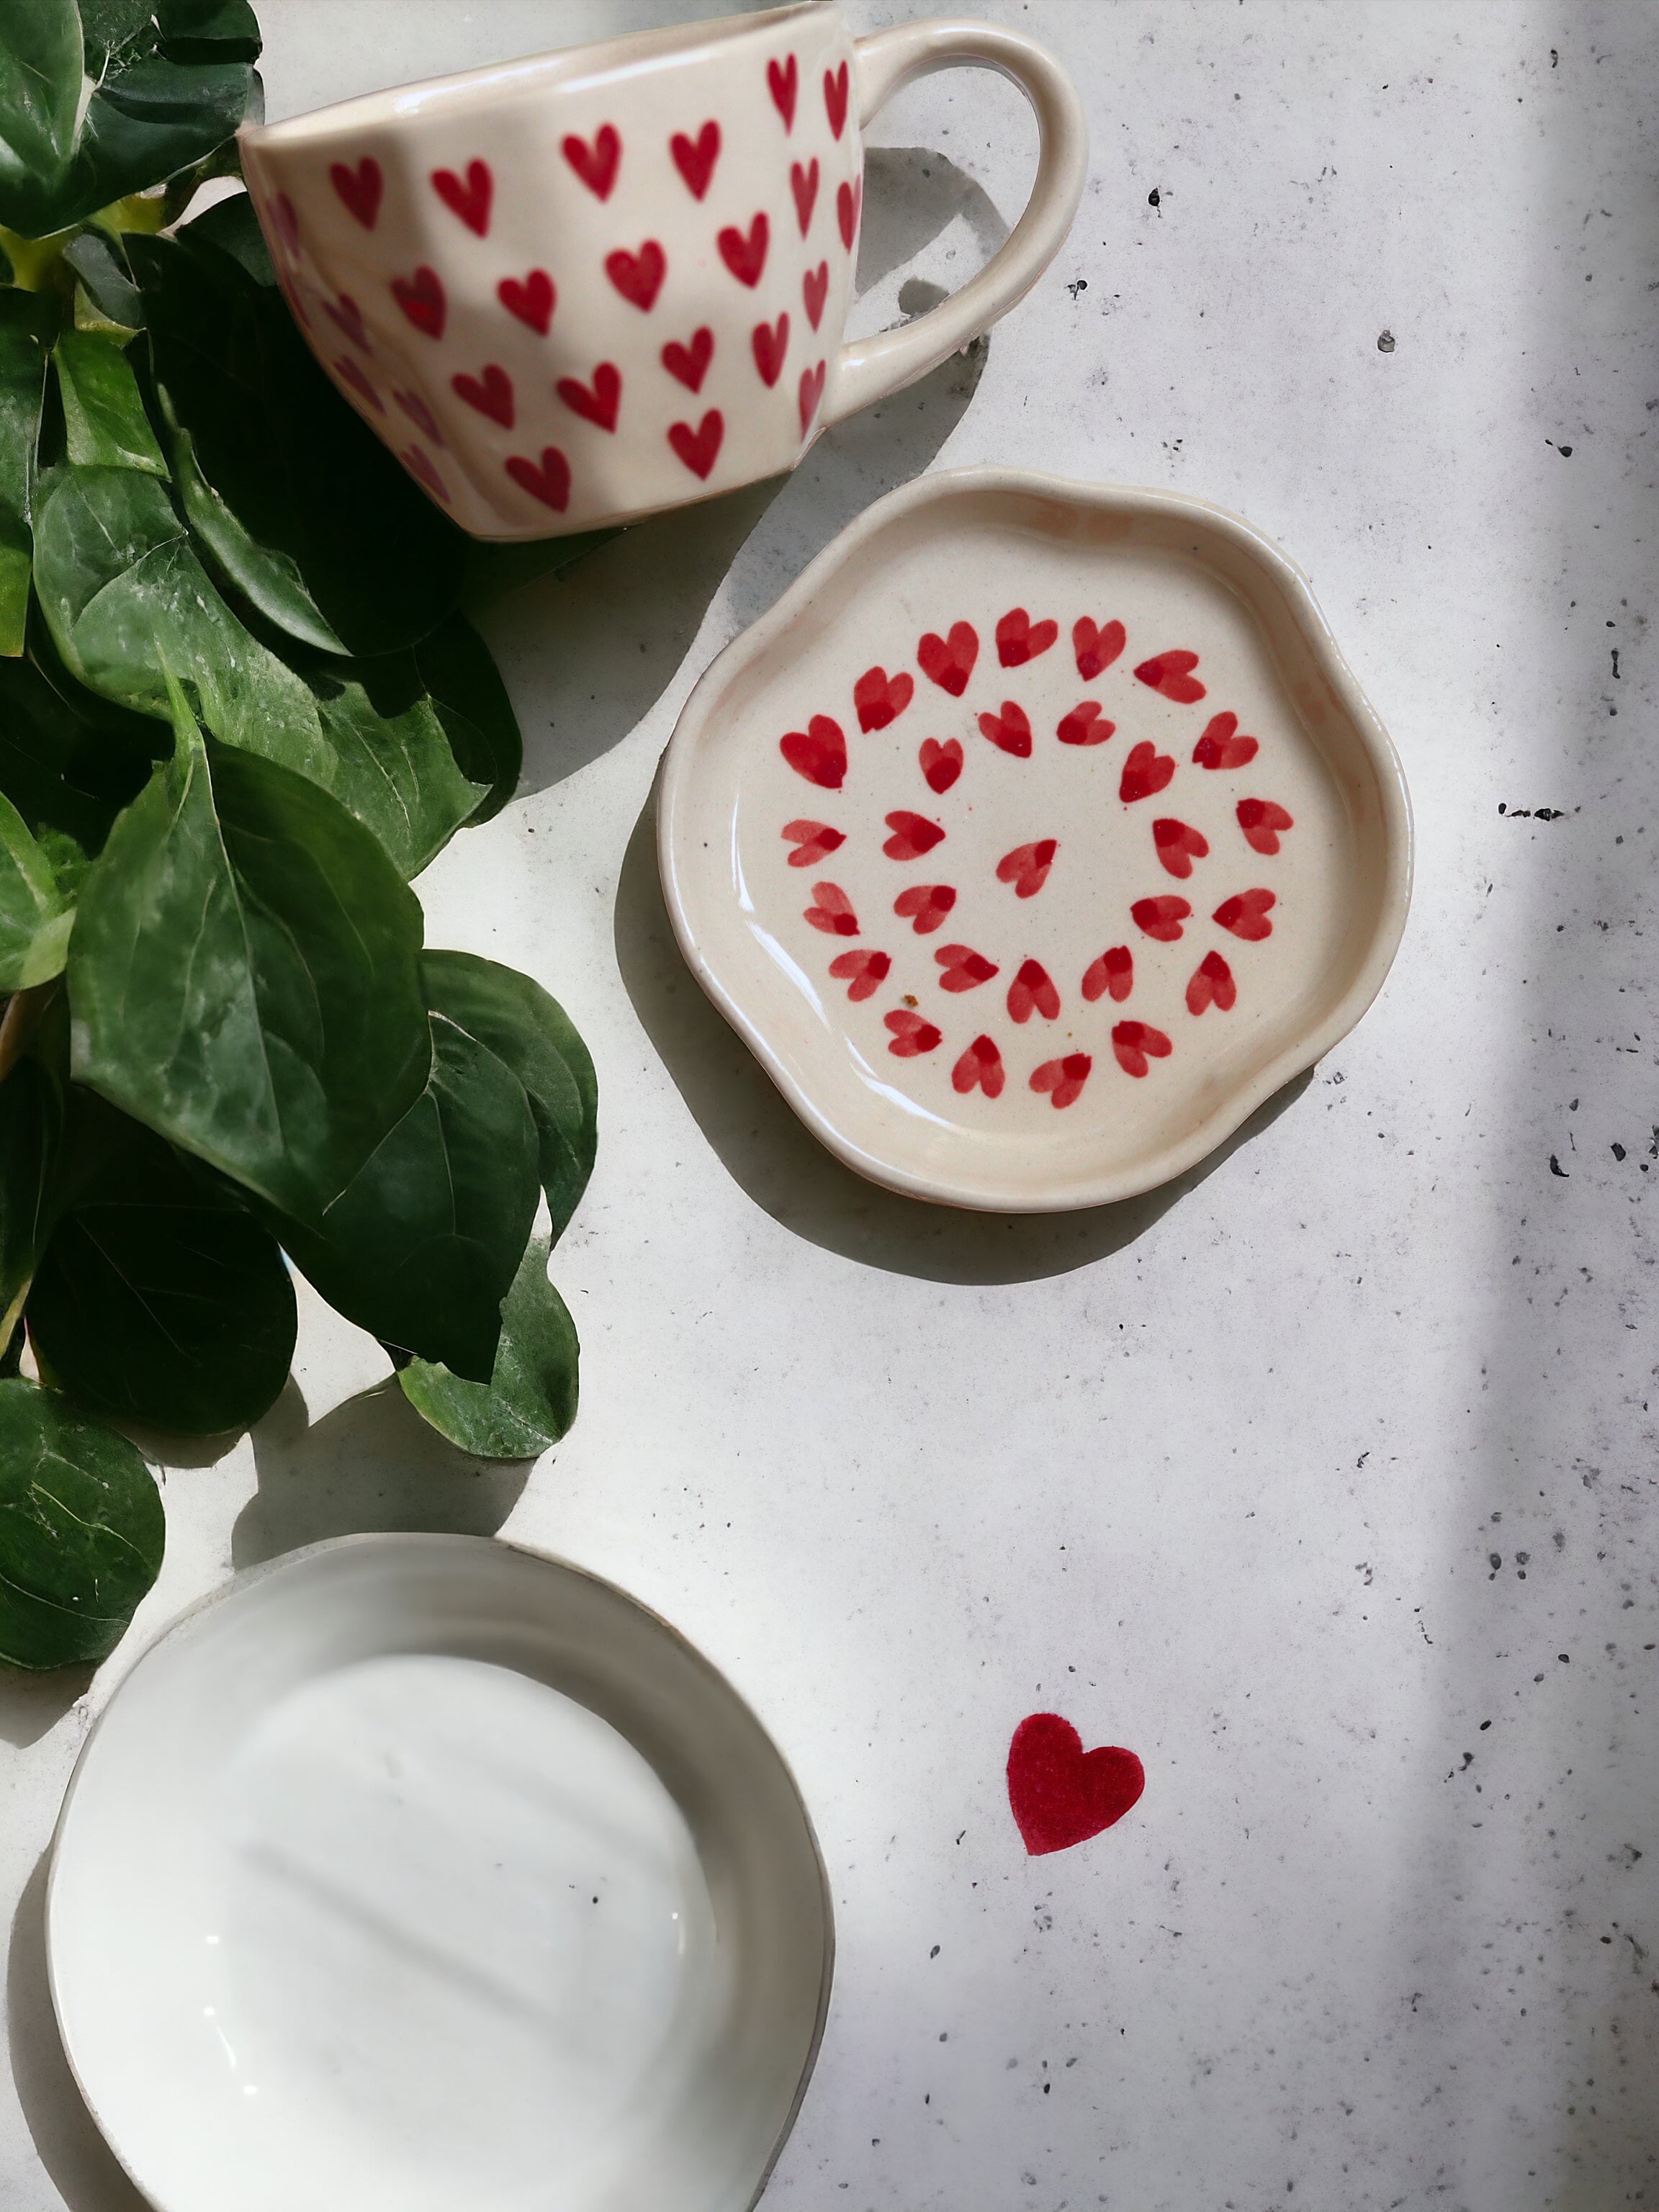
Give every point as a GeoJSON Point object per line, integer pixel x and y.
{"type": "Point", "coordinates": [420, 1873]}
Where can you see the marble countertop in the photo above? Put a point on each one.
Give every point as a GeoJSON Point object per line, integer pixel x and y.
{"type": "Point", "coordinates": [1322, 1478]}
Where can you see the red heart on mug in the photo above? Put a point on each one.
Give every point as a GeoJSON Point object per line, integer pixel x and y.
{"type": "Point", "coordinates": [1063, 1078]}
{"type": "Point", "coordinates": [961, 969]}
{"type": "Point", "coordinates": [1097, 646]}
{"type": "Point", "coordinates": [1211, 985]}
{"type": "Point", "coordinates": [941, 764]}
{"type": "Point", "coordinates": [349, 372]}
{"type": "Point", "coordinates": [835, 98]}
{"type": "Point", "coordinates": [911, 1034]}
{"type": "Point", "coordinates": [863, 972]}
{"type": "Point", "coordinates": [1178, 844]}
{"type": "Point", "coordinates": [532, 300]}
{"type": "Point", "coordinates": [1060, 1795]}
{"type": "Point", "coordinates": [770, 342]}
{"type": "Point", "coordinates": [420, 415]}
{"type": "Point", "coordinates": [360, 189]}
{"type": "Point", "coordinates": [425, 468]}
{"type": "Point", "coordinates": [421, 298]}
{"type": "Point", "coordinates": [818, 752]}
{"type": "Point", "coordinates": [1145, 771]}
{"type": "Point", "coordinates": [346, 315]}
{"type": "Point", "coordinates": [638, 276]}
{"type": "Point", "coordinates": [1085, 726]}
{"type": "Point", "coordinates": [814, 287]}
{"type": "Point", "coordinates": [1246, 915]}
{"type": "Point", "coordinates": [597, 165]}
{"type": "Point", "coordinates": [783, 82]}
{"type": "Point", "coordinates": [1168, 674]}
{"type": "Point", "coordinates": [1219, 748]}
{"type": "Point", "coordinates": [881, 698]}
{"type": "Point", "coordinates": [468, 199]}
{"type": "Point", "coordinates": [979, 1065]}
{"type": "Point", "coordinates": [491, 394]}
{"type": "Point", "coordinates": [691, 363]}
{"type": "Point", "coordinates": [287, 222]}
{"type": "Point", "coordinates": [1032, 992]}
{"type": "Point", "coordinates": [1009, 730]}
{"type": "Point", "coordinates": [746, 257]}
{"type": "Point", "coordinates": [849, 205]}
{"type": "Point", "coordinates": [1132, 1043]}
{"type": "Point", "coordinates": [1261, 821]}
{"type": "Point", "coordinates": [1027, 866]}
{"type": "Point", "coordinates": [700, 448]}
{"type": "Point", "coordinates": [598, 402]}
{"type": "Point", "coordinates": [1115, 971]}
{"type": "Point", "coordinates": [547, 480]}
{"type": "Point", "coordinates": [813, 840]}
{"type": "Point", "coordinates": [811, 392]}
{"type": "Point", "coordinates": [832, 912]}
{"type": "Point", "coordinates": [1019, 638]}
{"type": "Point", "coordinates": [1160, 917]}
{"type": "Point", "coordinates": [925, 906]}
{"type": "Point", "coordinates": [696, 160]}
{"type": "Point", "coordinates": [912, 836]}
{"type": "Point", "coordinates": [804, 183]}
{"type": "Point", "coordinates": [949, 661]}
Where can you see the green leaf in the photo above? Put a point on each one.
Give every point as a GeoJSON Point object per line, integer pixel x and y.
{"type": "Point", "coordinates": [97, 261]}
{"type": "Point", "coordinates": [55, 767]}
{"type": "Point", "coordinates": [423, 1245]}
{"type": "Point", "coordinates": [31, 1130]}
{"type": "Point", "coordinates": [34, 921]}
{"type": "Point", "coordinates": [230, 226]}
{"type": "Point", "coordinates": [105, 424]}
{"type": "Point", "coordinates": [530, 1033]}
{"type": "Point", "coordinates": [243, 975]}
{"type": "Point", "coordinates": [40, 59]}
{"type": "Point", "coordinates": [25, 324]}
{"type": "Point", "coordinates": [159, 1298]}
{"type": "Point", "coordinates": [80, 1532]}
{"type": "Point", "coordinates": [530, 1399]}
{"type": "Point", "coordinates": [457, 669]}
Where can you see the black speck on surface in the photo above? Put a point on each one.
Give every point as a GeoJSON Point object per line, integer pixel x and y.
{"type": "Point", "coordinates": [1619, 1152]}
{"type": "Point", "coordinates": [1557, 1169]}
{"type": "Point", "coordinates": [1078, 284]}
{"type": "Point", "coordinates": [1385, 342]}
{"type": "Point", "coordinates": [1154, 197]}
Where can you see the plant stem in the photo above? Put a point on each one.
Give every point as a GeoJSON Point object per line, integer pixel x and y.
{"type": "Point", "coordinates": [20, 1020]}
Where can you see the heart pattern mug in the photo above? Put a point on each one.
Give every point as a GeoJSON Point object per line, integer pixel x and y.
{"type": "Point", "coordinates": [591, 285]}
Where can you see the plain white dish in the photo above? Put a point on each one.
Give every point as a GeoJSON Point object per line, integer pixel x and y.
{"type": "Point", "coordinates": [413, 1873]}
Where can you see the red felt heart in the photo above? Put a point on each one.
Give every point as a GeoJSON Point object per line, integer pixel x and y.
{"type": "Point", "coordinates": [770, 342]}
{"type": "Point", "coordinates": [804, 183]}
{"type": "Point", "coordinates": [981, 1065]}
{"type": "Point", "coordinates": [1219, 748]}
{"type": "Point", "coordinates": [941, 764]}
{"type": "Point", "coordinates": [491, 394]}
{"type": "Point", "coordinates": [597, 165]}
{"type": "Point", "coordinates": [598, 402]}
{"type": "Point", "coordinates": [696, 160]}
{"type": "Point", "coordinates": [811, 392]}
{"type": "Point", "coordinates": [912, 836]}
{"type": "Point", "coordinates": [949, 661]}
{"type": "Point", "coordinates": [1062, 1795]}
{"type": "Point", "coordinates": [421, 298]}
{"type": "Point", "coordinates": [818, 752]}
{"type": "Point", "coordinates": [1085, 726]}
{"type": "Point", "coordinates": [348, 372]}
{"type": "Point", "coordinates": [813, 286]}
{"type": "Point", "coordinates": [1115, 971]}
{"type": "Point", "coordinates": [925, 906]}
{"type": "Point", "coordinates": [835, 98]}
{"type": "Point", "coordinates": [426, 468]}
{"type": "Point", "coordinates": [1063, 1078]}
{"type": "Point", "coordinates": [863, 972]}
{"type": "Point", "coordinates": [1178, 845]}
{"type": "Point", "coordinates": [1145, 771]}
{"type": "Point", "coordinates": [360, 188]}
{"type": "Point", "coordinates": [1009, 730]}
{"type": "Point", "coordinates": [745, 257]}
{"type": "Point", "coordinates": [547, 480]}
{"type": "Point", "coordinates": [1211, 985]}
{"type": "Point", "coordinates": [1262, 821]}
{"type": "Point", "coordinates": [1168, 673]}
{"type": "Point", "coordinates": [532, 300]}
{"type": "Point", "coordinates": [833, 912]}
{"type": "Point", "coordinates": [1032, 992]}
{"type": "Point", "coordinates": [783, 83]}
{"type": "Point", "coordinates": [961, 969]}
{"type": "Point", "coordinates": [691, 363]}
{"type": "Point", "coordinates": [911, 1034]}
{"type": "Point", "coordinates": [1246, 915]}
{"type": "Point", "coordinates": [420, 415]}
{"type": "Point", "coordinates": [638, 276]}
{"type": "Point", "coordinates": [849, 205]}
{"type": "Point", "coordinates": [1096, 646]}
{"type": "Point", "coordinates": [812, 840]}
{"type": "Point", "coordinates": [1027, 866]}
{"type": "Point", "coordinates": [1019, 638]}
{"type": "Point", "coordinates": [468, 199]}
{"type": "Point", "coordinates": [1160, 917]}
{"type": "Point", "coordinates": [1133, 1041]}
{"type": "Point", "coordinates": [700, 448]}
{"type": "Point", "coordinates": [346, 316]}
{"type": "Point", "coordinates": [881, 698]}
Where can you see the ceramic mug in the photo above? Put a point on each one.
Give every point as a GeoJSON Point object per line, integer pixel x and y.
{"type": "Point", "coordinates": [587, 286]}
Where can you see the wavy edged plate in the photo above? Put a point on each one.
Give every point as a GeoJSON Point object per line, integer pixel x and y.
{"type": "Point", "coordinates": [1036, 836]}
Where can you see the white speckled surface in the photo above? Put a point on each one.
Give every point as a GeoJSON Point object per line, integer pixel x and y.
{"type": "Point", "coordinates": [1220, 1475]}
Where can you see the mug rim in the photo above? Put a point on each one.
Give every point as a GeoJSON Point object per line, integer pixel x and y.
{"type": "Point", "coordinates": [555, 69]}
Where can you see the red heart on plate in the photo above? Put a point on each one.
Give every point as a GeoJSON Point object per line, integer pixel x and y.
{"type": "Point", "coordinates": [812, 390]}
{"type": "Point", "coordinates": [863, 972]}
{"type": "Point", "coordinates": [949, 661]}
{"type": "Point", "coordinates": [981, 1065]}
{"type": "Point", "coordinates": [1032, 992]}
{"type": "Point", "coordinates": [1027, 866]}
{"type": "Point", "coordinates": [783, 82]}
{"type": "Point", "coordinates": [1145, 771]}
{"type": "Point", "coordinates": [347, 316]}
{"type": "Point", "coordinates": [349, 372]}
{"type": "Point", "coordinates": [1115, 971]}
{"type": "Point", "coordinates": [1160, 917]}
{"type": "Point", "coordinates": [941, 764]}
{"type": "Point", "coordinates": [1131, 1042]}
{"type": "Point", "coordinates": [881, 698]}
{"type": "Point", "coordinates": [1063, 1078]}
{"type": "Point", "coordinates": [360, 188]}
{"type": "Point", "coordinates": [696, 160]}
{"type": "Point", "coordinates": [835, 98]}
{"type": "Point", "coordinates": [804, 183]}
{"type": "Point", "coordinates": [547, 480]}
{"type": "Point", "coordinates": [1262, 821]}
{"type": "Point", "coordinates": [813, 840]}
{"type": "Point", "coordinates": [849, 205]}
{"type": "Point", "coordinates": [468, 199]}
{"type": "Point", "coordinates": [1010, 730]}
{"type": "Point", "coordinates": [420, 415]}
{"type": "Point", "coordinates": [911, 1034]}
{"type": "Point", "coordinates": [491, 394]}
{"type": "Point", "coordinates": [596, 165]}
{"type": "Point", "coordinates": [912, 836]}
{"type": "Point", "coordinates": [963, 969]}
{"type": "Point", "coordinates": [818, 752]}
{"type": "Point", "coordinates": [769, 343]}
{"type": "Point", "coordinates": [638, 276]}
{"type": "Point", "coordinates": [1246, 915]}
{"type": "Point", "coordinates": [532, 300]}
{"type": "Point", "coordinates": [814, 287]}
{"type": "Point", "coordinates": [598, 404]}
{"type": "Point", "coordinates": [1211, 985]}
{"type": "Point", "coordinates": [746, 257]}
{"type": "Point", "coordinates": [925, 906]}
{"type": "Point", "coordinates": [1219, 748]}
{"type": "Point", "coordinates": [700, 448]}
{"type": "Point", "coordinates": [833, 914]}
{"type": "Point", "coordinates": [1178, 844]}
{"type": "Point", "coordinates": [1085, 726]}
{"type": "Point", "coordinates": [1096, 647]}
{"type": "Point", "coordinates": [1062, 1795]}
{"type": "Point", "coordinates": [421, 298]}
{"type": "Point", "coordinates": [691, 363]}
{"type": "Point", "coordinates": [1019, 638]}
{"type": "Point", "coordinates": [1169, 674]}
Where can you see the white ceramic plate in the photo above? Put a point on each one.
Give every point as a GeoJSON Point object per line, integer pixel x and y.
{"type": "Point", "coordinates": [1034, 837]}
{"type": "Point", "coordinates": [421, 1873]}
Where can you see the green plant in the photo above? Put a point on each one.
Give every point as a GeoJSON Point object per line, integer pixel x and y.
{"type": "Point", "coordinates": [239, 709]}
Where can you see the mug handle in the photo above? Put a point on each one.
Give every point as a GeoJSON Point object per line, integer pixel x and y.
{"type": "Point", "coordinates": [867, 369]}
